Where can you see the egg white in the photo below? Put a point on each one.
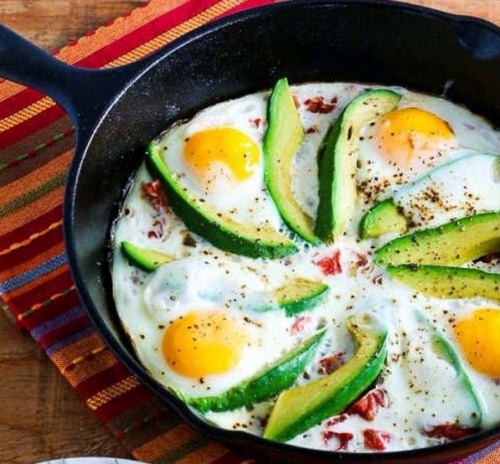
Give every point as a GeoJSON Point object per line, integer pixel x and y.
{"type": "Point", "coordinates": [378, 180]}
{"type": "Point", "coordinates": [244, 200]}
{"type": "Point", "coordinates": [205, 283]}
{"type": "Point", "coordinates": [203, 277]}
{"type": "Point", "coordinates": [463, 187]}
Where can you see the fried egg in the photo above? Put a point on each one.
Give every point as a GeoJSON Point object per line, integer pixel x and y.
{"type": "Point", "coordinates": [476, 334]}
{"type": "Point", "coordinates": [218, 155]}
{"type": "Point", "coordinates": [421, 134]}
{"type": "Point", "coordinates": [208, 320]}
{"type": "Point", "coordinates": [199, 327]}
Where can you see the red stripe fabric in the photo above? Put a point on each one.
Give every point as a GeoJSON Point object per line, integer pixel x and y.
{"type": "Point", "coordinates": [147, 32]}
{"type": "Point", "coordinates": [22, 254]}
{"type": "Point", "coordinates": [33, 124]}
{"type": "Point", "coordinates": [93, 385]}
{"type": "Point", "coordinates": [21, 233]}
{"type": "Point", "coordinates": [18, 102]}
{"type": "Point", "coordinates": [28, 296]}
{"type": "Point", "coordinates": [136, 396]}
{"type": "Point", "coordinates": [39, 305]}
{"type": "Point", "coordinates": [60, 333]}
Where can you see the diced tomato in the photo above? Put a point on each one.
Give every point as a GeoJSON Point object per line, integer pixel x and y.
{"type": "Point", "coordinates": [319, 105]}
{"type": "Point", "coordinates": [342, 438]}
{"type": "Point", "coordinates": [336, 420]}
{"type": "Point", "coordinates": [153, 234]}
{"type": "Point", "coordinates": [361, 261]}
{"type": "Point", "coordinates": [330, 265]}
{"type": "Point", "coordinates": [452, 431]}
{"type": "Point", "coordinates": [256, 122]}
{"type": "Point", "coordinates": [154, 193]}
{"type": "Point", "coordinates": [157, 228]}
{"type": "Point", "coordinates": [376, 439]}
{"type": "Point", "coordinates": [330, 363]}
{"type": "Point", "coordinates": [368, 405]}
{"type": "Point", "coordinates": [299, 323]}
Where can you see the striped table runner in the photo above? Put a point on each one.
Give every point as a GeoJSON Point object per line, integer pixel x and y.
{"type": "Point", "coordinates": [36, 290]}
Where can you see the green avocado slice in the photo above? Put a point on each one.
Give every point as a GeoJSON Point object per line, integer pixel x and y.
{"type": "Point", "coordinates": [144, 258]}
{"type": "Point", "coordinates": [219, 229]}
{"type": "Point", "coordinates": [294, 296]}
{"type": "Point", "coordinates": [451, 244]}
{"type": "Point", "coordinates": [338, 159]}
{"type": "Point", "coordinates": [283, 136]}
{"type": "Point", "coordinates": [300, 408]}
{"type": "Point", "coordinates": [265, 384]}
{"type": "Point", "coordinates": [382, 218]}
{"type": "Point", "coordinates": [300, 294]}
{"type": "Point", "coordinates": [443, 348]}
{"type": "Point", "coordinates": [448, 282]}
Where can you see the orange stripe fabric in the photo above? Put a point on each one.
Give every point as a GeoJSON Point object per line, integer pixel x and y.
{"type": "Point", "coordinates": [54, 167]}
{"type": "Point", "coordinates": [105, 395]}
{"type": "Point", "coordinates": [154, 449]}
{"type": "Point", "coordinates": [99, 362]}
{"type": "Point", "coordinates": [24, 214]}
{"type": "Point", "coordinates": [207, 452]}
{"type": "Point", "coordinates": [73, 354]}
{"type": "Point", "coordinates": [26, 113]}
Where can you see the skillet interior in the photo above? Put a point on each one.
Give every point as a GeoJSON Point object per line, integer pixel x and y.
{"type": "Point", "coordinates": [350, 40]}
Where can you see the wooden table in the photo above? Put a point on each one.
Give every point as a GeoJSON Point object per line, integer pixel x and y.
{"type": "Point", "coordinates": [41, 417]}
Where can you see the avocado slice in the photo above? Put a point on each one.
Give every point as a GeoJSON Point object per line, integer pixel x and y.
{"type": "Point", "coordinates": [219, 229]}
{"type": "Point", "coordinates": [265, 384]}
{"type": "Point", "coordinates": [382, 218]}
{"type": "Point", "coordinates": [444, 349]}
{"type": "Point", "coordinates": [144, 258]}
{"type": "Point", "coordinates": [296, 295]}
{"type": "Point", "coordinates": [300, 294]}
{"type": "Point", "coordinates": [300, 408]}
{"type": "Point", "coordinates": [396, 213]}
{"type": "Point", "coordinates": [448, 282]}
{"type": "Point", "coordinates": [283, 136]}
{"type": "Point", "coordinates": [338, 158]}
{"type": "Point", "coordinates": [450, 244]}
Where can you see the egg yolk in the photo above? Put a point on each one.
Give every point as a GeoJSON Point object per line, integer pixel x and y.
{"type": "Point", "coordinates": [477, 336]}
{"type": "Point", "coordinates": [203, 342]}
{"type": "Point", "coordinates": [406, 132]}
{"type": "Point", "coordinates": [228, 148]}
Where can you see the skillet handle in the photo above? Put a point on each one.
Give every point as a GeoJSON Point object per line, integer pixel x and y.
{"type": "Point", "coordinates": [83, 93]}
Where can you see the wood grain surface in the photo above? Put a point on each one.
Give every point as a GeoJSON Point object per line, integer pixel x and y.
{"type": "Point", "coordinates": [41, 417]}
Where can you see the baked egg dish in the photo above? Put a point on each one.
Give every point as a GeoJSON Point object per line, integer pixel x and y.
{"type": "Point", "coordinates": [317, 264]}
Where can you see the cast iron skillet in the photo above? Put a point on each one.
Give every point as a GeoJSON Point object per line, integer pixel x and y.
{"type": "Point", "coordinates": [117, 111]}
